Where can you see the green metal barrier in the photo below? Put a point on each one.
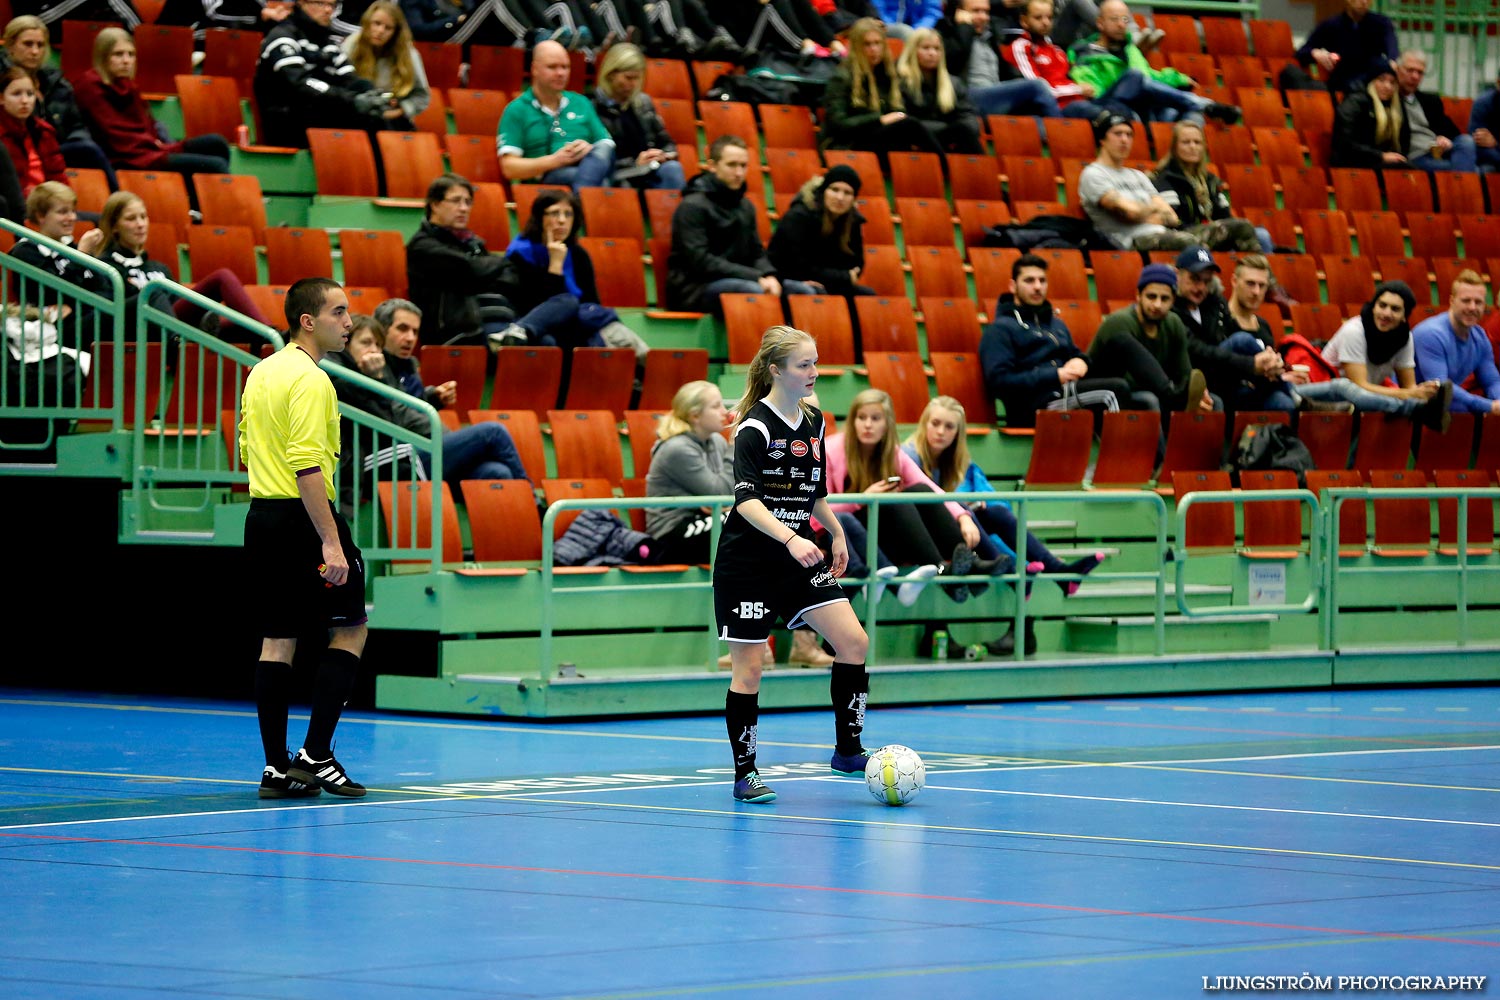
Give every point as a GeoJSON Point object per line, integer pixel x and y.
{"type": "Point", "coordinates": [42, 390]}
{"type": "Point", "coordinates": [1316, 545]}
{"type": "Point", "coordinates": [1455, 36]}
{"type": "Point", "coordinates": [873, 501]}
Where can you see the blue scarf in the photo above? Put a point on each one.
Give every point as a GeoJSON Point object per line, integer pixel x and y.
{"type": "Point", "coordinates": [536, 255]}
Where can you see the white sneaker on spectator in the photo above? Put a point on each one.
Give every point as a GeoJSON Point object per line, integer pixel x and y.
{"type": "Point", "coordinates": [907, 593]}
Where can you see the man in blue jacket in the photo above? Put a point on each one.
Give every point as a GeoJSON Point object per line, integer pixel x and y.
{"type": "Point", "coordinates": [902, 17]}
{"type": "Point", "coordinates": [1026, 352]}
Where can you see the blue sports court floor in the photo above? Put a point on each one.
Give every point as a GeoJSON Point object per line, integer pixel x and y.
{"type": "Point", "coordinates": [1120, 848]}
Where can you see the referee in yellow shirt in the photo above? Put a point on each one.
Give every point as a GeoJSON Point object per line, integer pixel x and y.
{"type": "Point", "coordinates": [304, 566]}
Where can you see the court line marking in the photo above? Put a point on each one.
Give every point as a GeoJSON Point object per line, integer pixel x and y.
{"type": "Point", "coordinates": [831, 889]}
{"type": "Point", "coordinates": [1175, 727]}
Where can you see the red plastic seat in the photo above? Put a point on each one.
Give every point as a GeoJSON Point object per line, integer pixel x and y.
{"type": "Point", "coordinates": [586, 444]}
{"type": "Point", "coordinates": [1060, 449]}
{"type": "Point", "coordinates": [902, 376]}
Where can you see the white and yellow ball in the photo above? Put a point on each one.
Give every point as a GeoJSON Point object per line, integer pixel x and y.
{"type": "Point", "coordinates": [895, 774]}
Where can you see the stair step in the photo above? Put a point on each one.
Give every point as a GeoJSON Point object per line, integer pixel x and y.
{"type": "Point", "coordinates": [1143, 588]}
{"type": "Point", "coordinates": [1136, 634]}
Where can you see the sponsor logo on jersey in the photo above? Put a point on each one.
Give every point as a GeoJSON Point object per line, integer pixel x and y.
{"type": "Point", "coordinates": [797, 473]}
{"type": "Point", "coordinates": [772, 472]}
{"type": "Point", "coordinates": [823, 578]}
{"type": "Point", "coordinates": [817, 475]}
{"type": "Point", "coordinates": [817, 447]}
{"type": "Point", "coordinates": [776, 455]}
{"type": "Point", "coordinates": [782, 514]}
{"type": "Point", "coordinates": [799, 449]}
{"type": "Point", "coordinates": [807, 487]}
{"type": "Point", "coordinates": [742, 485]}
{"type": "Point", "coordinates": [779, 444]}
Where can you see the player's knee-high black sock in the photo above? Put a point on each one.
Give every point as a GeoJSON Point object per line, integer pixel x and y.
{"type": "Point", "coordinates": [273, 693]}
{"type": "Point", "coordinates": [336, 674]}
{"type": "Point", "coordinates": [742, 719]}
{"type": "Point", "coordinates": [849, 689]}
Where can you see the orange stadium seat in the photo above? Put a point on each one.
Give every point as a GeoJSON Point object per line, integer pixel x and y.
{"type": "Point", "coordinates": [527, 378]}
{"type": "Point", "coordinates": [951, 325]}
{"type": "Point", "coordinates": [788, 126]}
{"type": "Point", "coordinates": [477, 112]}
{"type": "Point", "coordinates": [668, 78]}
{"type": "Point", "coordinates": [232, 248]}
{"type": "Point", "coordinates": [925, 222]}
{"type": "Point", "coordinates": [586, 444]}
{"type": "Point", "coordinates": [887, 323]}
{"type": "Point", "coordinates": [504, 524]}
{"type": "Point", "coordinates": [412, 160]}
{"type": "Point", "coordinates": [827, 318]}
{"type": "Point", "coordinates": [441, 62]}
{"type": "Point", "coordinates": [343, 162]}
{"type": "Point", "coordinates": [618, 270]}
{"type": "Point", "coordinates": [901, 374]}
{"type": "Point", "coordinates": [916, 175]}
{"type": "Point", "coordinates": [374, 257]}
{"type": "Point", "coordinates": [972, 176]}
{"type": "Point", "coordinates": [464, 366]}
{"type": "Point", "coordinates": [210, 105]}
{"type": "Point", "coordinates": [669, 369]}
{"type": "Point", "coordinates": [958, 374]}
{"type": "Point", "coordinates": [232, 200]}
{"type": "Point", "coordinates": [601, 378]}
{"type": "Point", "coordinates": [1328, 437]}
{"type": "Point", "coordinates": [746, 318]}
{"type": "Point", "coordinates": [473, 157]}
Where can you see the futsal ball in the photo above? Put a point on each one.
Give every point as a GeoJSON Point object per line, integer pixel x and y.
{"type": "Point", "coordinates": [895, 774]}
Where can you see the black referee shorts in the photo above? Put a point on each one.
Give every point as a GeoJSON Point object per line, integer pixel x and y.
{"type": "Point", "coordinates": [748, 602]}
{"type": "Point", "coordinates": [290, 597]}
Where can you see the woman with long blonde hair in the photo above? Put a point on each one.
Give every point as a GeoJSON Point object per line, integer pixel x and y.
{"type": "Point", "coordinates": [1198, 196]}
{"type": "Point", "coordinates": [863, 105]}
{"type": "Point", "coordinates": [933, 97]}
{"type": "Point", "coordinates": [770, 567]}
{"type": "Point", "coordinates": [381, 51]}
{"type": "Point", "coordinates": [1369, 128]}
{"type": "Point", "coordinates": [645, 155]}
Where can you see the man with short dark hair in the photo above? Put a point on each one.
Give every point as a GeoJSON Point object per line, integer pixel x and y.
{"type": "Point", "coordinates": [1122, 202]}
{"type": "Point", "coordinates": [550, 134]}
{"type": "Point", "coordinates": [1343, 47]}
{"type": "Point", "coordinates": [1032, 53]}
{"type": "Point", "coordinates": [1452, 345]}
{"type": "Point", "coordinates": [716, 247]}
{"type": "Point", "coordinates": [303, 566]}
{"type": "Point", "coordinates": [303, 80]}
{"type": "Point", "coordinates": [459, 286]}
{"type": "Point", "coordinates": [1028, 355]}
{"type": "Point", "coordinates": [1146, 345]}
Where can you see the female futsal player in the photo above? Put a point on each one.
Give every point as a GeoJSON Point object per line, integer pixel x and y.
{"type": "Point", "coordinates": [768, 565]}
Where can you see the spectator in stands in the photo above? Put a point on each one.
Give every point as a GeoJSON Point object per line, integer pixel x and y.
{"type": "Point", "coordinates": [126, 226]}
{"type": "Point", "coordinates": [1374, 349]}
{"type": "Point", "coordinates": [1370, 127]}
{"type": "Point", "coordinates": [940, 448]}
{"type": "Point", "coordinates": [866, 457]}
{"type": "Point", "coordinates": [1199, 198]}
{"type": "Point", "coordinates": [112, 103]}
{"type": "Point", "coordinates": [1115, 67]}
{"type": "Point", "coordinates": [1452, 346]}
{"type": "Point", "coordinates": [550, 134]}
{"type": "Point", "coordinates": [30, 141]}
{"type": "Point", "coordinates": [863, 107]}
{"type": "Point", "coordinates": [477, 22]}
{"type": "Point", "coordinates": [88, 10]}
{"type": "Point", "coordinates": [716, 246]}
{"type": "Point", "coordinates": [1484, 126]}
{"type": "Point", "coordinates": [687, 31]}
{"type": "Point", "coordinates": [27, 45]}
{"type": "Point", "coordinates": [52, 210]}
{"type": "Point", "coordinates": [1121, 202]}
{"type": "Point", "coordinates": [1030, 52]}
{"type": "Point", "coordinates": [1342, 47]}
{"type": "Point", "coordinates": [645, 155]}
{"type": "Point", "coordinates": [303, 81]}
{"type": "Point", "coordinates": [1241, 365]}
{"type": "Point", "coordinates": [401, 320]}
{"type": "Point", "coordinates": [462, 289]}
{"type": "Point", "coordinates": [935, 99]}
{"type": "Point", "coordinates": [241, 15]}
{"type": "Point", "coordinates": [902, 17]}
{"type": "Point", "coordinates": [555, 291]}
{"type": "Point", "coordinates": [381, 52]}
{"type": "Point", "coordinates": [820, 238]}
{"type": "Point", "coordinates": [1146, 345]}
{"type": "Point", "coordinates": [1027, 352]}
{"type": "Point", "coordinates": [790, 27]}
{"type": "Point", "coordinates": [1436, 143]}
{"type": "Point", "coordinates": [972, 48]}
{"type": "Point", "coordinates": [840, 15]}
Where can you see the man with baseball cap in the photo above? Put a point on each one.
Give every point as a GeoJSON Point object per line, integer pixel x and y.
{"type": "Point", "coordinates": [1146, 345]}
{"type": "Point", "coordinates": [1122, 202]}
{"type": "Point", "coordinates": [1227, 339]}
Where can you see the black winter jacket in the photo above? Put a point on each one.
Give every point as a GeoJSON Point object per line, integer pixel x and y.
{"type": "Point", "coordinates": [846, 126]}
{"type": "Point", "coordinates": [1222, 367]}
{"type": "Point", "coordinates": [303, 80]}
{"type": "Point", "coordinates": [1020, 352]}
{"type": "Point", "coordinates": [1171, 180]}
{"type": "Point", "coordinates": [1354, 134]}
{"type": "Point", "coordinates": [713, 237]}
{"type": "Point", "coordinates": [634, 129]}
{"type": "Point", "coordinates": [598, 538]}
{"type": "Point", "coordinates": [445, 274]}
{"type": "Point", "coordinates": [801, 252]}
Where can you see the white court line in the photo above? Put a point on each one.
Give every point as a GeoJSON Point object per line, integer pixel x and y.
{"type": "Point", "coordinates": [539, 793]}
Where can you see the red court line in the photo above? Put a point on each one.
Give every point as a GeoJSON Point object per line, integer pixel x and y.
{"type": "Point", "coordinates": [1121, 724]}
{"type": "Point", "coordinates": [699, 880]}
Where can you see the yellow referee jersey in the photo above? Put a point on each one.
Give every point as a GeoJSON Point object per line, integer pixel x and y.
{"type": "Point", "coordinates": [289, 421]}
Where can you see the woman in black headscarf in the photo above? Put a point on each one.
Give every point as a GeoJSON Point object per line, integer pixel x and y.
{"type": "Point", "coordinates": [1374, 352]}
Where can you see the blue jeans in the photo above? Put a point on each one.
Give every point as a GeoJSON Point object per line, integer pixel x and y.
{"type": "Point", "coordinates": [86, 155]}
{"type": "Point", "coordinates": [590, 172]}
{"type": "Point", "coordinates": [483, 451]}
{"type": "Point", "coordinates": [1027, 97]}
{"type": "Point", "coordinates": [1155, 101]}
{"type": "Point", "coordinates": [669, 175]}
{"type": "Point", "coordinates": [1262, 394]}
{"type": "Point", "coordinates": [1341, 390]}
{"type": "Point", "coordinates": [1488, 157]}
{"type": "Point", "coordinates": [1091, 109]}
{"type": "Point", "coordinates": [1463, 156]}
{"type": "Point", "coordinates": [744, 286]}
{"type": "Point", "coordinates": [857, 539]}
{"type": "Point", "coordinates": [555, 322]}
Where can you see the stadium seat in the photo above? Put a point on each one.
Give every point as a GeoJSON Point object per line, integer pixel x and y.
{"type": "Point", "coordinates": [1195, 442]}
{"type": "Point", "coordinates": [1249, 186]}
{"type": "Point", "coordinates": [497, 67]}
{"type": "Point", "coordinates": [527, 378]}
{"type": "Point", "coordinates": [1280, 148]}
{"type": "Point", "coordinates": [1069, 138]}
{"type": "Point", "coordinates": [669, 369]}
{"type": "Point", "coordinates": [1312, 110]}
{"type": "Point", "coordinates": [1196, 64]}
{"type": "Point", "coordinates": [162, 52]}
{"type": "Point", "coordinates": [232, 200]}
{"type": "Point", "coordinates": [343, 162]}
{"type": "Point", "coordinates": [1479, 540]}
{"type": "Point", "coordinates": [974, 216]}
{"type": "Point", "coordinates": [1448, 450]}
{"type": "Point", "coordinates": [1317, 320]}
{"type": "Point", "coordinates": [880, 225]}
{"type": "Point", "coordinates": [612, 212]}
{"type": "Point", "coordinates": [1327, 436]}
{"type": "Point", "coordinates": [937, 270]}
{"type": "Point", "coordinates": [575, 488]}
{"type": "Point", "coordinates": [210, 105]}
{"type": "Point", "coordinates": [680, 121]}
{"type": "Point", "coordinates": [229, 247]}
{"type": "Point", "coordinates": [882, 271]}
{"type": "Point", "coordinates": [407, 508]}
{"type": "Point", "coordinates": [925, 222]}
{"type": "Point", "coordinates": [441, 62]}
{"type": "Point", "coordinates": [1350, 280]}
{"type": "Point", "coordinates": [601, 378]}
{"type": "Point", "coordinates": [473, 157]}
{"type": "Point", "coordinates": [90, 185]}
{"type": "Point", "coordinates": [1060, 449]}
{"type": "Point", "coordinates": [867, 165]}
{"type": "Point", "coordinates": [668, 78]}
{"type": "Point", "coordinates": [1245, 418]}
{"type": "Point", "coordinates": [164, 193]}
{"type": "Point", "coordinates": [1355, 189]}
{"type": "Point", "coordinates": [661, 203]}
{"type": "Point", "coordinates": [1081, 317]}
{"type": "Point", "coordinates": [1241, 71]}
{"type": "Point", "coordinates": [706, 71]}
{"type": "Point", "coordinates": [128, 360]}
{"type": "Point", "coordinates": [788, 126]}
{"type": "Point", "coordinates": [1115, 275]}
{"type": "Point", "coordinates": [1432, 234]}
{"type": "Point", "coordinates": [1298, 274]}
{"type": "Point", "coordinates": [586, 444]}
{"type": "Point", "coordinates": [464, 366]}
{"type": "Point", "coordinates": [232, 54]}
{"type": "Point", "coordinates": [1018, 135]}
{"type": "Point", "coordinates": [1127, 449]}
{"type": "Point", "coordinates": [790, 168]}
{"type": "Point", "coordinates": [917, 175]}
{"type": "Point", "coordinates": [618, 270]}
{"type": "Point", "coordinates": [1271, 39]}
{"type": "Point", "coordinates": [1261, 106]}
{"type": "Point", "coordinates": [1413, 271]}
{"type": "Point", "coordinates": [1230, 144]}
{"type": "Point", "coordinates": [729, 118]}
{"type": "Point", "coordinates": [504, 524]}
{"type": "Point", "coordinates": [1403, 528]}
{"type": "Point", "coordinates": [1378, 233]}
{"type": "Point", "coordinates": [525, 432]}
{"type": "Point", "coordinates": [1303, 188]}
{"type": "Point", "coordinates": [1407, 191]}
{"type": "Point", "coordinates": [959, 375]}
{"type": "Point", "coordinates": [1384, 442]}
{"type": "Point", "coordinates": [374, 258]}
{"type": "Point", "coordinates": [951, 325]}
{"type": "Point", "coordinates": [746, 318]}
{"type": "Point", "coordinates": [412, 160]}
{"type": "Point", "coordinates": [1352, 528]}
{"type": "Point", "coordinates": [1273, 528]}
{"type": "Point", "coordinates": [827, 318]}
{"type": "Point", "coordinates": [972, 176]}
{"type": "Point", "coordinates": [1325, 231]}
{"type": "Point", "coordinates": [477, 112]}
{"type": "Point", "coordinates": [887, 323]}
{"type": "Point", "coordinates": [271, 301]}
{"type": "Point", "coordinates": [992, 267]}
{"type": "Point", "coordinates": [1029, 178]}
{"type": "Point", "coordinates": [1481, 235]}
{"type": "Point", "coordinates": [1066, 277]}
{"type": "Point", "coordinates": [1448, 268]}
{"type": "Point", "coordinates": [640, 427]}
{"type": "Point", "coordinates": [1208, 526]}
{"type": "Point", "coordinates": [1459, 193]}
{"type": "Point", "coordinates": [1181, 32]}
{"type": "Point", "coordinates": [1224, 36]}
{"type": "Point", "coordinates": [901, 374]}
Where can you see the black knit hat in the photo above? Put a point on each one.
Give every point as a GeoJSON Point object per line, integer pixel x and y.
{"type": "Point", "coordinates": [840, 172]}
{"type": "Point", "coordinates": [1106, 120]}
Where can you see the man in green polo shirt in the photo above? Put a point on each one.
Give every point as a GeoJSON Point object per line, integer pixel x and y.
{"type": "Point", "coordinates": [553, 135]}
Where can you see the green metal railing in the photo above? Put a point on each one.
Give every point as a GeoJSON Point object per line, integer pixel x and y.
{"type": "Point", "coordinates": [1180, 553]}
{"type": "Point", "coordinates": [83, 382]}
{"type": "Point", "coordinates": [1455, 35]}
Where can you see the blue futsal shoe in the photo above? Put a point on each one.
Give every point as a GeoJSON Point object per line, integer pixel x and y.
{"type": "Point", "coordinates": [751, 789]}
{"type": "Point", "coordinates": [849, 765]}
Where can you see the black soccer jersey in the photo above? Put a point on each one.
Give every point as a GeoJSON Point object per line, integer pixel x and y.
{"type": "Point", "coordinates": [780, 465]}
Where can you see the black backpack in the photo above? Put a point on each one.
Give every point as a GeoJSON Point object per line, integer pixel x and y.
{"type": "Point", "coordinates": [1271, 446]}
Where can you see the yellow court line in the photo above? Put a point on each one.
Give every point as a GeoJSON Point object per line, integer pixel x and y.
{"type": "Point", "coordinates": [943, 828]}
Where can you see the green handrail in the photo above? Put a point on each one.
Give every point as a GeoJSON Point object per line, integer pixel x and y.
{"type": "Point", "coordinates": [1180, 552]}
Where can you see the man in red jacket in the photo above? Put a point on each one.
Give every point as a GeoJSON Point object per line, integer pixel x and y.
{"type": "Point", "coordinates": [1034, 55]}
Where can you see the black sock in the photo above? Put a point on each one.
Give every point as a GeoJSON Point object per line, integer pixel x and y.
{"type": "Point", "coordinates": [849, 690]}
{"type": "Point", "coordinates": [336, 674]}
{"type": "Point", "coordinates": [273, 693]}
{"type": "Point", "coordinates": [742, 719]}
